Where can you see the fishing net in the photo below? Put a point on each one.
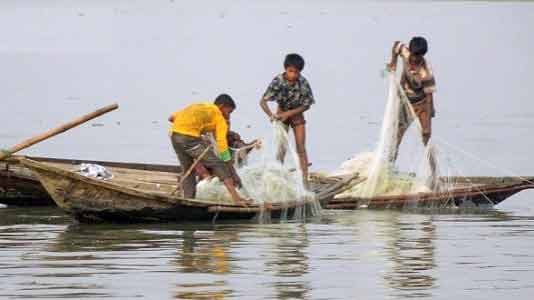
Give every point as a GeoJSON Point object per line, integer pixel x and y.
{"type": "Point", "coordinates": [270, 182]}
{"type": "Point", "coordinates": [379, 166]}
{"type": "Point", "coordinates": [265, 179]}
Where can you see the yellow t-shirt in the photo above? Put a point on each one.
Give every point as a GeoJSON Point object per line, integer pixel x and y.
{"type": "Point", "coordinates": [200, 118]}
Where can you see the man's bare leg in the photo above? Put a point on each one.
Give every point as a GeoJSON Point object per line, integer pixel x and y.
{"type": "Point", "coordinates": [426, 124]}
{"type": "Point", "coordinates": [400, 135]}
{"type": "Point", "coordinates": [300, 141]}
{"type": "Point", "coordinates": [229, 184]}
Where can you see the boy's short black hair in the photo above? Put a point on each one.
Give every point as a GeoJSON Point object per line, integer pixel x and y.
{"type": "Point", "coordinates": [294, 60]}
{"type": "Point", "coordinates": [225, 100]}
{"type": "Point", "coordinates": [418, 46]}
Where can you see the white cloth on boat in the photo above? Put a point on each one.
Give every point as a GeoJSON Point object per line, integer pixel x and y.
{"type": "Point", "coordinates": [95, 171]}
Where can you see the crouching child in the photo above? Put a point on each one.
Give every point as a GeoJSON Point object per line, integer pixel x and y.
{"type": "Point", "coordinates": [187, 127]}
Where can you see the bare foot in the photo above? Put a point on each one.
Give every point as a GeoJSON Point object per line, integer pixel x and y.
{"type": "Point", "coordinates": [244, 202]}
{"type": "Point", "coordinates": [268, 205]}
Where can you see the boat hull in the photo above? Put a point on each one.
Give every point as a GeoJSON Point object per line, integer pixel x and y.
{"type": "Point", "coordinates": [91, 200]}
{"type": "Point", "coordinates": [484, 192]}
{"type": "Point", "coordinates": [20, 187]}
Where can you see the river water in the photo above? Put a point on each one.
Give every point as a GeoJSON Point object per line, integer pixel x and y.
{"type": "Point", "coordinates": [343, 255]}
{"type": "Point", "coordinates": [61, 59]}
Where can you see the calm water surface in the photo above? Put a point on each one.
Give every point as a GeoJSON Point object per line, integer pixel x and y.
{"type": "Point", "coordinates": [341, 255]}
{"type": "Point", "coordinates": [60, 59]}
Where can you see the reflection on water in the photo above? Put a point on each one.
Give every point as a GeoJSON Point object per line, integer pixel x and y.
{"type": "Point", "coordinates": [289, 261]}
{"type": "Point", "coordinates": [205, 252]}
{"type": "Point", "coordinates": [411, 252]}
{"type": "Point", "coordinates": [369, 254]}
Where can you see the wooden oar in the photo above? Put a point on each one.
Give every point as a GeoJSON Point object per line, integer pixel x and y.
{"type": "Point", "coordinates": [52, 132]}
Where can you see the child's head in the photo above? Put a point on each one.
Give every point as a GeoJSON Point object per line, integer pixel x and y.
{"type": "Point", "coordinates": [226, 105]}
{"type": "Point", "coordinates": [418, 48]}
{"type": "Point", "coordinates": [293, 64]}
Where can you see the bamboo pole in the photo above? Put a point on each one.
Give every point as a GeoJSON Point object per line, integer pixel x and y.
{"type": "Point", "coordinates": [55, 131]}
{"type": "Point", "coordinates": [188, 172]}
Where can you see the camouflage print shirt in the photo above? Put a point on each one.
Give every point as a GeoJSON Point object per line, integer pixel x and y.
{"type": "Point", "coordinates": [289, 96]}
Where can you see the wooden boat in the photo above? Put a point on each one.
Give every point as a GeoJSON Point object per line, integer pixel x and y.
{"type": "Point", "coordinates": [19, 186]}
{"type": "Point", "coordinates": [481, 192]}
{"type": "Point", "coordinates": [125, 198]}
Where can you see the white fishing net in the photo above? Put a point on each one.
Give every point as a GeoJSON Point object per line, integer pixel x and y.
{"type": "Point", "coordinates": [270, 182]}
{"type": "Point", "coordinates": [379, 166]}
{"type": "Point", "coordinates": [265, 179]}
{"type": "Point", "coordinates": [359, 163]}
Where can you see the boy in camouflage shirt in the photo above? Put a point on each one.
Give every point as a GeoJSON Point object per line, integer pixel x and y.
{"type": "Point", "coordinates": [294, 96]}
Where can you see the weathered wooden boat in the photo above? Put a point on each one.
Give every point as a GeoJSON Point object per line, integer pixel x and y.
{"type": "Point", "coordinates": [125, 198]}
{"type": "Point", "coordinates": [479, 192]}
{"type": "Point", "coordinates": [19, 186]}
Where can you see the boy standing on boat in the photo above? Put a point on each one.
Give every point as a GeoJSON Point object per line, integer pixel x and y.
{"type": "Point", "coordinates": [294, 96]}
{"type": "Point", "coordinates": [187, 127]}
{"type": "Point", "coordinates": [418, 84]}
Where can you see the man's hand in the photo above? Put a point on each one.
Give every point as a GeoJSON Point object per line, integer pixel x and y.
{"type": "Point", "coordinates": [257, 144]}
{"type": "Point", "coordinates": [392, 66]}
{"type": "Point", "coordinates": [273, 117]}
{"type": "Point", "coordinates": [394, 48]}
{"type": "Point", "coordinates": [283, 116]}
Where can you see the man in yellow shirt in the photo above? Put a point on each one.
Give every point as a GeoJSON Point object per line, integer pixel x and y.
{"type": "Point", "coordinates": [187, 127]}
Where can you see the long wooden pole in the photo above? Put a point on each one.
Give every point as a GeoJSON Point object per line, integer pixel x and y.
{"type": "Point", "coordinates": [191, 168]}
{"type": "Point", "coordinates": [55, 131]}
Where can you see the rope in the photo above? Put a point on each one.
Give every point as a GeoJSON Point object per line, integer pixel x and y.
{"type": "Point", "coordinates": [246, 147]}
{"type": "Point", "coordinates": [472, 184]}
{"type": "Point", "coordinates": [406, 102]}
{"type": "Point", "coordinates": [485, 162]}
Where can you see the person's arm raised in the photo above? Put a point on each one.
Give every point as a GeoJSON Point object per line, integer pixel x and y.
{"type": "Point", "coordinates": [392, 66]}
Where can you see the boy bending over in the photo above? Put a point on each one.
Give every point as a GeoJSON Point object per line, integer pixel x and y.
{"type": "Point", "coordinates": [187, 127]}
